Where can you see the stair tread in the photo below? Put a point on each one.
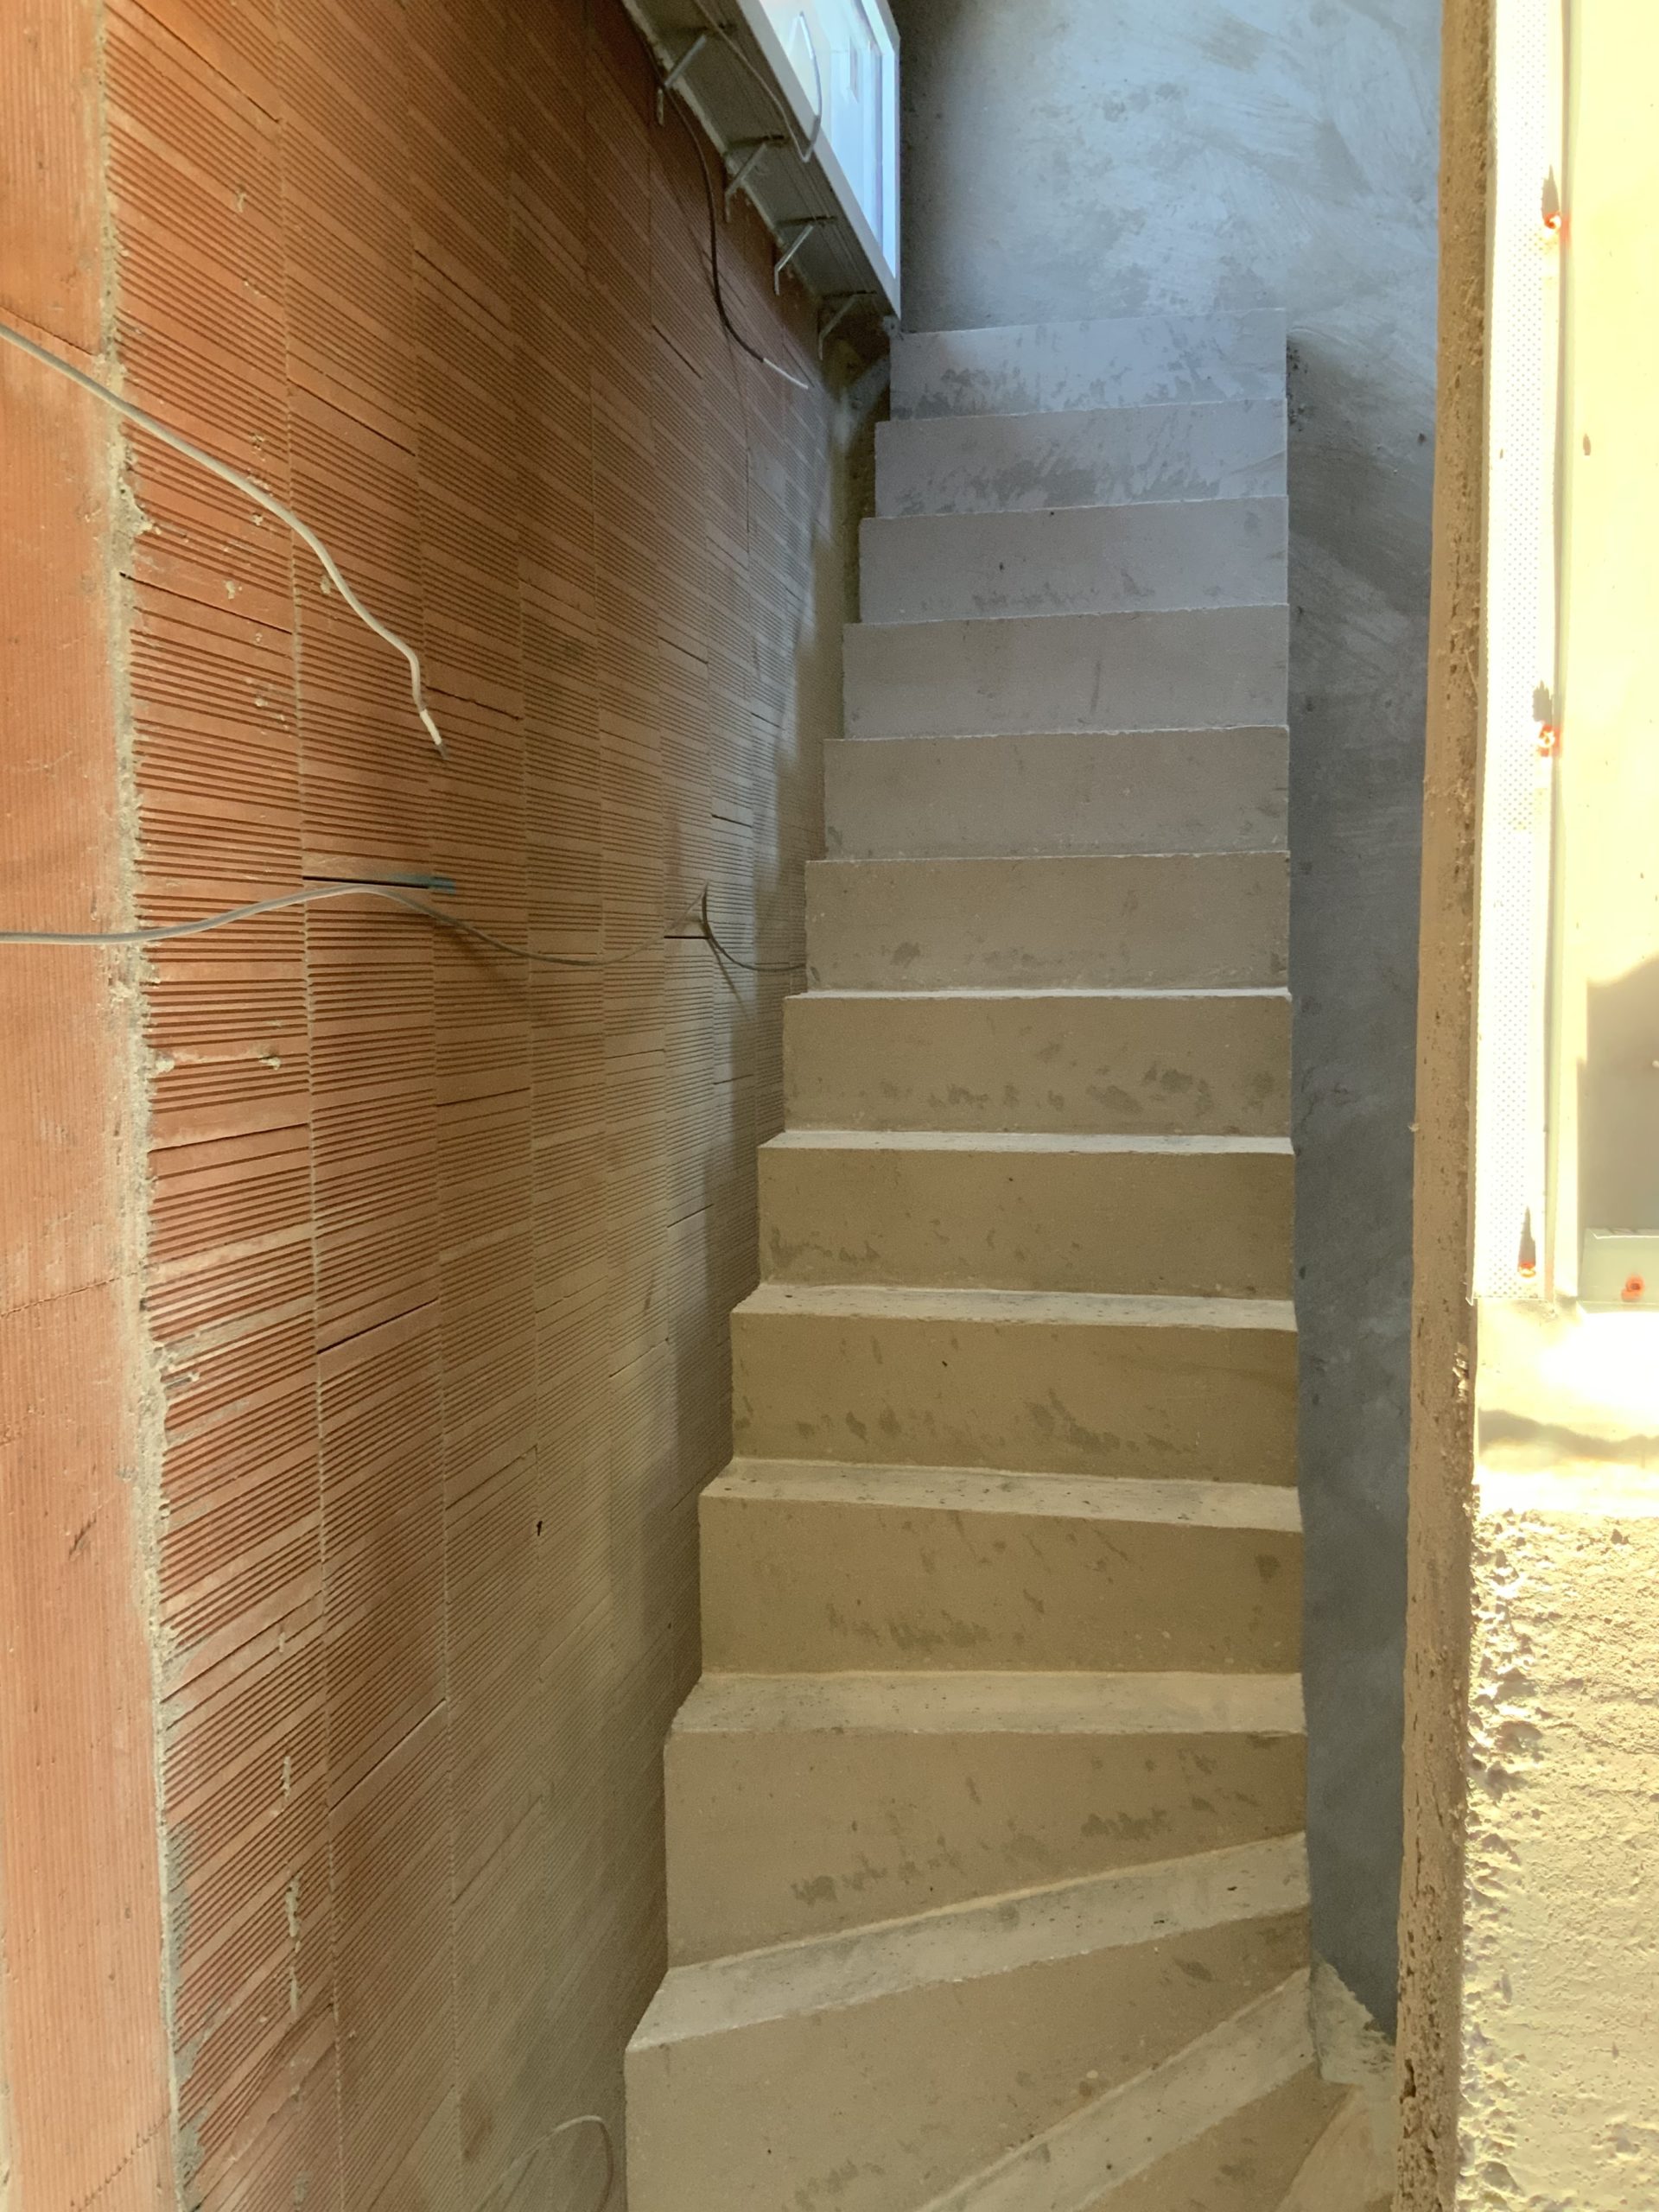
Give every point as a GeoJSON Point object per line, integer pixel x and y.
{"type": "Point", "coordinates": [998, 1703]}
{"type": "Point", "coordinates": [988, 1937]}
{"type": "Point", "coordinates": [1073, 2165]}
{"type": "Point", "coordinates": [1142, 1499]}
{"type": "Point", "coordinates": [1021, 1140]}
{"type": "Point", "coordinates": [1088, 1308]}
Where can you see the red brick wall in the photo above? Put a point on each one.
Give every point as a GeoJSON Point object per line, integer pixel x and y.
{"type": "Point", "coordinates": [440, 1246]}
{"type": "Point", "coordinates": [83, 2072]}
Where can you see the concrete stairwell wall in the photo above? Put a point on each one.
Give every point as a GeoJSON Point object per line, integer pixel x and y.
{"type": "Point", "coordinates": [1104, 157]}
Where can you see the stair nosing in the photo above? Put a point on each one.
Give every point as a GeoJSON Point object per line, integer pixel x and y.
{"type": "Point", "coordinates": [1081, 1308]}
{"type": "Point", "coordinates": [1003, 1702]}
{"type": "Point", "coordinates": [973, 515]}
{"type": "Point", "coordinates": [1073, 614]}
{"type": "Point", "coordinates": [1001, 859]}
{"type": "Point", "coordinates": [986, 1936]}
{"type": "Point", "coordinates": [1144, 736]}
{"type": "Point", "coordinates": [1194, 1502]}
{"type": "Point", "coordinates": [1279, 992]}
{"type": "Point", "coordinates": [1030, 1142]}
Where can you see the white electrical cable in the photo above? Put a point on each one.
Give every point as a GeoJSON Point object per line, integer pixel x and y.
{"type": "Point", "coordinates": [250, 489]}
{"type": "Point", "coordinates": [526, 2158]}
{"type": "Point", "coordinates": [804, 149]}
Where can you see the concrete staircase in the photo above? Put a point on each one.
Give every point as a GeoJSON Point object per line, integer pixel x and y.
{"type": "Point", "coordinates": [986, 1891]}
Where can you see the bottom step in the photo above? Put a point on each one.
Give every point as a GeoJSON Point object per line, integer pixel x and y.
{"type": "Point", "coordinates": [1224, 2126]}
{"type": "Point", "coordinates": [869, 2070]}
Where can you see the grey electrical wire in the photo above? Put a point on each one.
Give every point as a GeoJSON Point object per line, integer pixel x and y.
{"type": "Point", "coordinates": [250, 489]}
{"type": "Point", "coordinates": [398, 895]}
{"type": "Point", "coordinates": [755, 353]}
{"type": "Point", "coordinates": [525, 2159]}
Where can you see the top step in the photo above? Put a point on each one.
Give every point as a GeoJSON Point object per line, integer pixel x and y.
{"type": "Point", "coordinates": [1044, 368]}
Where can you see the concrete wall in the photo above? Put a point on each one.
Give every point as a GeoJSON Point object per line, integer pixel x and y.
{"type": "Point", "coordinates": [1092, 157]}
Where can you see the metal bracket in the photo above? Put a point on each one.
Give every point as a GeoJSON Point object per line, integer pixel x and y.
{"type": "Point", "coordinates": [678, 71]}
{"type": "Point", "coordinates": [749, 153]}
{"type": "Point", "coordinates": [839, 309]}
{"type": "Point", "coordinates": [803, 228]}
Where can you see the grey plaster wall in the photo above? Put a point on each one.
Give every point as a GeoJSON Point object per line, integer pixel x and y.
{"type": "Point", "coordinates": [1076, 157]}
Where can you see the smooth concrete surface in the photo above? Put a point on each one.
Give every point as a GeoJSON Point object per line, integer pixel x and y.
{"type": "Point", "coordinates": [1240, 2163]}
{"type": "Point", "coordinates": [1204, 1390]}
{"type": "Point", "coordinates": [1180, 791]}
{"type": "Point", "coordinates": [1091, 157]}
{"type": "Point", "coordinates": [1179, 1217]}
{"type": "Point", "coordinates": [935, 2045]}
{"type": "Point", "coordinates": [1344, 2167]}
{"type": "Point", "coordinates": [1151, 1063]}
{"type": "Point", "coordinates": [1046, 362]}
{"type": "Point", "coordinates": [1186, 921]}
{"type": "Point", "coordinates": [800, 1804]}
{"type": "Point", "coordinates": [1163, 2126]}
{"type": "Point", "coordinates": [820, 1570]}
{"type": "Point", "coordinates": [1203, 668]}
{"type": "Point", "coordinates": [1009, 464]}
{"type": "Point", "coordinates": [1154, 556]}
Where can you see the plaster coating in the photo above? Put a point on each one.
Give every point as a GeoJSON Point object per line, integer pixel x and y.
{"type": "Point", "coordinates": [1527, 2021]}
{"type": "Point", "coordinates": [1075, 157]}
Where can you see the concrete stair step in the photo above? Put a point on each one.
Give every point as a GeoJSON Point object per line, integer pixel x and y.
{"type": "Point", "coordinates": [1231, 2113]}
{"type": "Point", "coordinates": [818, 1568]}
{"type": "Point", "coordinates": [800, 1804]}
{"type": "Point", "coordinates": [1182, 921]}
{"type": "Point", "coordinates": [1194, 668]}
{"type": "Point", "coordinates": [1345, 2171]}
{"type": "Point", "coordinates": [1191, 1388]}
{"type": "Point", "coordinates": [1118, 361]}
{"type": "Point", "coordinates": [1206, 790]}
{"type": "Point", "coordinates": [1144, 1063]}
{"type": "Point", "coordinates": [1237, 2164]}
{"type": "Point", "coordinates": [1214, 553]}
{"type": "Point", "coordinates": [1108, 456]}
{"type": "Point", "coordinates": [1155, 1216]}
{"type": "Point", "coordinates": [871, 2070]}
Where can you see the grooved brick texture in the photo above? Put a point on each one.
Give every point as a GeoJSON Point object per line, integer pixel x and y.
{"type": "Point", "coordinates": [442, 1245]}
{"type": "Point", "coordinates": [84, 2101]}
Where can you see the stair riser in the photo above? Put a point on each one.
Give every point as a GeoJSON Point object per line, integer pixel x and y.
{"type": "Point", "coordinates": [1201, 1066]}
{"type": "Point", "coordinates": [1175, 791]}
{"type": "Point", "coordinates": [792, 1585]}
{"type": "Point", "coordinates": [1009, 464]}
{"type": "Point", "coordinates": [1192, 1404]}
{"type": "Point", "coordinates": [1207, 668]}
{"type": "Point", "coordinates": [1346, 2170]}
{"type": "Point", "coordinates": [1131, 361]}
{"type": "Point", "coordinates": [1244, 2164]}
{"type": "Point", "coordinates": [1181, 921]}
{"type": "Point", "coordinates": [777, 1834]}
{"type": "Point", "coordinates": [1168, 1225]}
{"type": "Point", "coordinates": [874, 2108]}
{"type": "Point", "coordinates": [1073, 561]}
